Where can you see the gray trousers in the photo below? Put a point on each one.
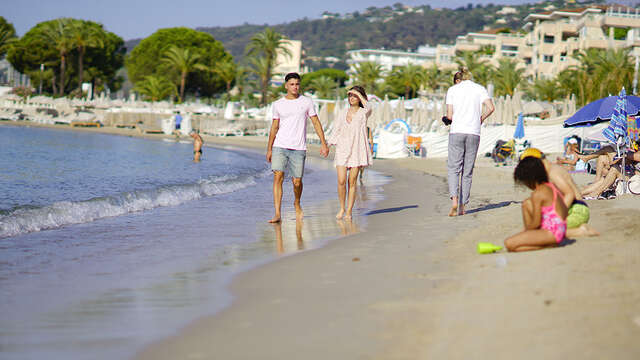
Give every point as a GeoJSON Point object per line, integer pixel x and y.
{"type": "Point", "coordinates": [463, 149]}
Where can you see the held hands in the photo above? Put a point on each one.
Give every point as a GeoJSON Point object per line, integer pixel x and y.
{"type": "Point", "coordinates": [324, 150]}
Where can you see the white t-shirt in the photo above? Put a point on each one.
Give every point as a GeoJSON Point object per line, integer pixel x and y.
{"type": "Point", "coordinates": [467, 98]}
{"type": "Point", "coordinates": [293, 115]}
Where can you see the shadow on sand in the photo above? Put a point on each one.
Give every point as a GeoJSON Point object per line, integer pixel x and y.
{"type": "Point", "coordinates": [382, 211]}
{"type": "Point", "coordinates": [491, 206]}
{"type": "Point", "coordinates": [566, 242]}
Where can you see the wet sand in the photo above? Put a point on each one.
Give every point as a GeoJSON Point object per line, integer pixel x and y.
{"type": "Point", "coordinates": [411, 286]}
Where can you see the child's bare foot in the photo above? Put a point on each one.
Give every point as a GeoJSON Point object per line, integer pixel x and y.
{"type": "Point", "coordinates": [581, 231]}
{"type": "Point", "coordinates": [275, 219]}
{"type": "Point", "coordinates": [347, 216]}
{"type": "Point", "coordinates": [340, 214]}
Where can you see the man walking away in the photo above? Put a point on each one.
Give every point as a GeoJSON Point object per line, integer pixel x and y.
{"type": "Point", "coordinates": [465, 102]}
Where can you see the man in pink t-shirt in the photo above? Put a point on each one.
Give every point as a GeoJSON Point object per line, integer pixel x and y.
{"type": "Point", "coordinates": [287, 146]}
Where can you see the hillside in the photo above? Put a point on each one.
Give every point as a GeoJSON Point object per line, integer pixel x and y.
{"type": "Point", "coordinates": [399, 27]}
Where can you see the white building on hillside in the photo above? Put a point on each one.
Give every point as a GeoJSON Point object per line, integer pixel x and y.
{"type": "Point", "coordinates": [286, 63]}
{"type": "Point", "coordinates": [390, 58]}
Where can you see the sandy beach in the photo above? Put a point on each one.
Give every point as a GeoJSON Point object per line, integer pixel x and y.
{"type": "Point", "coordinates": [412, 286]}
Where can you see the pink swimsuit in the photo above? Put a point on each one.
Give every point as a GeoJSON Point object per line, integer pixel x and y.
{"type": "Point", "coordinates": [551, 220]}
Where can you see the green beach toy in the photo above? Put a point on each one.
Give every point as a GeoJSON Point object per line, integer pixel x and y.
{"type": "Point", "coordinates": [487, 248]}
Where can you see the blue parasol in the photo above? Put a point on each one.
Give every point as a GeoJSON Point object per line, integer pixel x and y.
{"type": "Point", "coordinates": [519, 133]}
{"type": "Point", "coordinates": [601, 110]}
{"type": "Point", "coordinates": [616, 132]}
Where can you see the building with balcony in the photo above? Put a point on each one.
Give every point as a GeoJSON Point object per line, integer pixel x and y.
{"type": "Point", "coordinates": [554, 36]}
{"type": "Point", "coordinates": [390, 59]}
{"type": "Point", "coordinates": [543, 47]}
{"type": "Point", "coordinates": [441, 55]}
{"type": "Point", "coordinates": [551, 37]}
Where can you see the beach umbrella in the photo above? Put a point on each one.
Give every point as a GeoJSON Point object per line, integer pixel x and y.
{"type": "Point", "coordinates": [386, 111]}
{"type": "Point", "coordinates": [400, 112]}
{"type": "Point", "coordinates": [601, 110]}
{"type": "Point", "coordinates": [616, 132]}
{"type": "Point", "coordinates": [517, 101]}
{"type": "Point", "coordinates": [519, 133]}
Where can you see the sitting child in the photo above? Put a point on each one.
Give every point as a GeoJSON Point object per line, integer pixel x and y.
{"type": "Point", "coordinates": [544, 213]}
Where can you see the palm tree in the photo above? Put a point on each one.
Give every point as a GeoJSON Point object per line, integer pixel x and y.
{"type": "Point", "coordinates": [410, 77]}
{"type": "Point", "coordinates": [84, 36]}
{"type": "Point", "coordinates": [268, 44]}
{"type": "Point", "coordinates": [507, 77]}
{"type": "Point", "coordinates": [324, 87]}
{"type": "Point", "coordinates": [184, 61]}
{"type": "Point", "coordinates": [545, 90]}
{"type": "Point", "coordinates": [480, 70]}
{"type": "Point", "coordinates": [599, 74]}
{"type": "Point", "coordinates": [241, 78]}
{"type": "Point", "coordinates": [367, 74]}
{"type": "Point", "coordinates": [434, 78]}
{"type": "Point", "coordinates": [57, 33]}
{"type": "Point", "coordinates": [155, 88]}
{"type": "Point", "coordinates": [6, 38]}
{"type": "Point", "coordinates": [225, 70]}
{"type": "Point", "coordinates": [260, 67]}
{"type": "Point", "coordinates": [614, 70]}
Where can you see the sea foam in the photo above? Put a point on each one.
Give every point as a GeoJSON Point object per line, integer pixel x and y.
{"type": "Point", "coordinates": [23, 220]}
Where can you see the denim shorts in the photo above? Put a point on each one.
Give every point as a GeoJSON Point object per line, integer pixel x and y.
{"type": "Point", "coordinates": [293, 160]}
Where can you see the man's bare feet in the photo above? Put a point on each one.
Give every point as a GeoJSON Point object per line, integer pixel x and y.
{"type": "Point", "coordinates": [299, 214]}
{"type": "Point", "coordinates": [453, 211]}
{"type": "Point", "coordinates": [340, 214]}
{"type": "Point", "coordinates": [275, 219]}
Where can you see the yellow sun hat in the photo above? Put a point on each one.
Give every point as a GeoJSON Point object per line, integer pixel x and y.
{"type": "Point", "coordinates": [532, 152]}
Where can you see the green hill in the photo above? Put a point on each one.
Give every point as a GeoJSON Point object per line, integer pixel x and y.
{"type": "Point", "coordinates": [396, 27]}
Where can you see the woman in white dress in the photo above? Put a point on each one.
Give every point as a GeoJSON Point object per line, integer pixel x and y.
{"type": "Point", "coordinates": [352, 147]}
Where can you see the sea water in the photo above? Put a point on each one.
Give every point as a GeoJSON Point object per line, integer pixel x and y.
{"type": "Point", "coordinates": [108, 243]}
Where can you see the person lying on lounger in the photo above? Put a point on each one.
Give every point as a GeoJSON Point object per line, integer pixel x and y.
{"type": "Point", "coordinates": [570, 158]}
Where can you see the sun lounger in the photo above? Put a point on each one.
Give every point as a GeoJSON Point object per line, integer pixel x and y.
{"type": "Point", "coordinates": [154, 128]}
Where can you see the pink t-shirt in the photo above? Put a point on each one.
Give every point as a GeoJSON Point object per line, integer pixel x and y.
{"type": "Point", "coordinates": [293, 115]}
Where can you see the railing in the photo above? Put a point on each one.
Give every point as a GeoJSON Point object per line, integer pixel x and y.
{"type": "Point", "coordinates": [619, 13]}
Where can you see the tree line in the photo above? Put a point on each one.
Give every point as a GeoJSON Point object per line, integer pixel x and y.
{"type": "Point", "coordinates": [63, 53]}
{"type": "Point", "coordinates": [180, 62]}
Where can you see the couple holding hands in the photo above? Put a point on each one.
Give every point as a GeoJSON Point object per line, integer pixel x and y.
{"type": "Point", "coordinates": [287, 148]}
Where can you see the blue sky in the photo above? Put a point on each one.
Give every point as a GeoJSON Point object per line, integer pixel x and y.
{"type": "Point", "coordinates": [140, 18]}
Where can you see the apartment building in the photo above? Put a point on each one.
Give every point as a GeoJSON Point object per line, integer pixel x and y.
{"type": "Point", "coordinates": [390, 58]}
{"type": "Point", "coordinates": [555, 35]}
{"type": "Point", "coordinates": [549, 38]}
{"type": "Point", "coordinates": [543, 47]}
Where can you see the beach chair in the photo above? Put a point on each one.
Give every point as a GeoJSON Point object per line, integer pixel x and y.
{"type": "Point", "coordinates": [413, 145]}
{"type": "Point", "coordinates": [503, 151]}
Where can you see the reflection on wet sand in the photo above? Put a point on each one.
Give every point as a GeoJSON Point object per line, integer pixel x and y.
{"type": "Point", "coordinates": [277, 227]}
{"type": "Point", "coordinates": [347, 226]}
{"type": "Point", "coordinates": [319, 223]}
